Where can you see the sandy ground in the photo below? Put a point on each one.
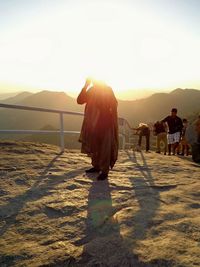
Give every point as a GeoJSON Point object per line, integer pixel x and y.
{"type": "Point", "coordinates": [53, 214]}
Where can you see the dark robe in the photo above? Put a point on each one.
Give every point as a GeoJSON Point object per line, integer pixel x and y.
{"type": "Point", "coordinates": [99, 133]}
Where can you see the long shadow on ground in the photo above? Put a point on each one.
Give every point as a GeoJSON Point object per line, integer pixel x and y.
{"type": "Point", "coordinates": [102, 243]}
{"type": "Point", "coordinates": [39, 189]}
{"type": "Point", "coordinates": [148, 198]}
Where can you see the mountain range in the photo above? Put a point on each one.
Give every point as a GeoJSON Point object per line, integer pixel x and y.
{"type": "Point", "coordinates": [150, 109]}
{"type": "Point", "coordinates": [7, 95]}
{"type": "Point", "coordinates": [159, 105]}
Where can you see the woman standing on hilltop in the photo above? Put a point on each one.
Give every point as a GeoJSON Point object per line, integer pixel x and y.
{"type": "Point", "coordinates": [99, 133]}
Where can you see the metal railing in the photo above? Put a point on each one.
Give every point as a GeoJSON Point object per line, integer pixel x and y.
{"type": "Point", "coordinates": [124, 134]}
{"type": "Point", "coordinates": [127, 134]}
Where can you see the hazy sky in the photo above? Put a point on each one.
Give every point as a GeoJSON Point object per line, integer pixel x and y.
{"type": "Point", "coordinates": [132, 44]}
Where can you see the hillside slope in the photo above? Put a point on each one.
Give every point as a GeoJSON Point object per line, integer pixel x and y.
{"type": "Point", "coordinates": [149, 109]}
{"type": "Point", "coordinates": [21, 119]}
{"type": "Point", "coordinates": [158, 106]}
{"type": "Point", "coordinates": [53, 214]}
{"type": "Point", "coordinates": [16, 99]}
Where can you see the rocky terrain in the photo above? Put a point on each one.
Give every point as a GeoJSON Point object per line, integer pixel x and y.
{"type": "Point", "coordinates": [53, 214]}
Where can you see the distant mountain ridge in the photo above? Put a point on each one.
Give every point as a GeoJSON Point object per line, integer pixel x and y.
{"type": "Point", "coordinates": [158, 105]}
{"type": "Point", "coordinates": [16, 98]}
{"type": "Point", "coordinates": [150, 109]}
{"type": "Point", "coordinates": [20, 119]}
{"type": "Point", "coordinates": [49, 99]}
{"type": "Point", "coordinates": [4, 96]}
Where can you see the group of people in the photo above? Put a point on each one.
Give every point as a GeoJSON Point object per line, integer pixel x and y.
{"type": "Point", "coordinates": [175, 138]}
{"type": "Point", "coordinates": [170, 131]}
{"type": "Point", "coordinates": [99, 133]}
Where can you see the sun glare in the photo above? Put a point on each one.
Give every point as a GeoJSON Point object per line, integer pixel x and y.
{"type": "Point", "coordinates": [119, 42]}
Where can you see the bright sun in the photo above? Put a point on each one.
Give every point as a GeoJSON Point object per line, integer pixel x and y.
{"type": "Point", "coordinates": [122, 43]}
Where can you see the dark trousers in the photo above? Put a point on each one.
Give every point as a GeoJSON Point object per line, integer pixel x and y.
{"type": "Point", "coordinates": [147, 136]}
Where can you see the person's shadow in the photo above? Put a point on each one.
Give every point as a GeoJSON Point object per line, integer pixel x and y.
{"type": "Point", "coordinates": [146, 193]}
{"type": "Point", "coordinates": [102, 242]}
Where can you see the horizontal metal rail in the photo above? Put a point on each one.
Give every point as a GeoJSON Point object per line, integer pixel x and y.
{"type": "Point", "coordinates": [60, 112]}
{"type": "Point", "coordinates": [61, 131]}
{"type": "Point", "coordinates": [36, 132]}
{"type": "Point", "coordinates": [40, 109]}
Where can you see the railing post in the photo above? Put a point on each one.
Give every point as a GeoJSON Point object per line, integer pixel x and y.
{"type": "Point", "coordinates": [62, 140]}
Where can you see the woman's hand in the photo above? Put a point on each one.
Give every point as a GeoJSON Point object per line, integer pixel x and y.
{"type": "Point", "coordinates": [87, 83]}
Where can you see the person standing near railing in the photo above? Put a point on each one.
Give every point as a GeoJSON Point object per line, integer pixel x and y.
{"type": "Point", "coordinates": [160, 132]}
{"type": "Point", "coordinates": [175, 126]}
{"type": "Point", "coordinates": [184, 144]}
{"type": "Point", "coordinates": [99, 133]}
{"type": "Point", "coordinates": [197, 128]}
{"type": "Point", "coordinates": [192, 136]}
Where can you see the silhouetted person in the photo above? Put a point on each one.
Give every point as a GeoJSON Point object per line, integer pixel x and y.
{"type": "Point", "coordinates": [161, 136]}
{"type": "Point", "coordinates": [143, 130]}
{"type": "Point", "coordinates": [175, 126]}
{"type": "Point", "coordinates": [197, 128]}
{"type": "Point", "coordinates": [99, 133]}
{"type": "Point", "coordinates": [184, 144]}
